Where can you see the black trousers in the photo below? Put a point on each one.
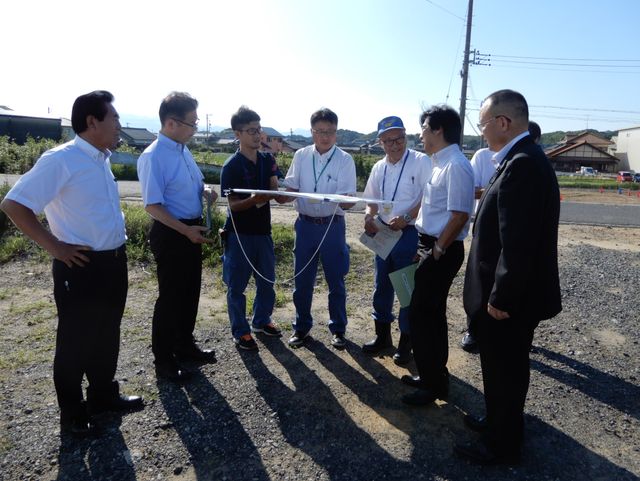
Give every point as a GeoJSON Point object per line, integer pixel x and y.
{"type": "Point", "coordinates": [179, 267]}
{"type": "Point", "coordinates": [90, 302]}
{"type": "Point", "coordinates": [504, 357]}
{"type": "Point", "coordinates": [428, 311]}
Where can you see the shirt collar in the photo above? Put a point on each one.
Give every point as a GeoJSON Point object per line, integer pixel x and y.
{"type": "Point", "coordinates": [169, 143]}
{"type": "Point", "coordinates": [90, 150]}
{"type": "Point", "coordinates": [443, 156]}
{"type": "Point", "coordinates": [403, 157]}
{"type": "Point", "coordinates": [499, 156]}
{"type": "Point", "coordinates": [326, 154]}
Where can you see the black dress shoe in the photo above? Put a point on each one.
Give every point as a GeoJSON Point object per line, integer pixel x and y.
{"type": "Point", "coordinates": [477, 424]}
{"type": "Point", "coordinates": [76, 422]}
{"type": "Point", "coordinates": [482, 455]}
{"type": "Point", "coordinates": [170, 371]}
{"type": "Point", "coordinates": [78, 428]}
{"type": "Point", "coordinates": [413, 381]}
{"type": "Point", "coordinates": [195, 354]}
{"type": "Point", "coordinates": [469, 343]}
{"type": "Point", "coordinates": [118, 404]}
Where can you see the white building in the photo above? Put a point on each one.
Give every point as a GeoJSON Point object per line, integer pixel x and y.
{"type": "Point", "coordinates": [628, 148]}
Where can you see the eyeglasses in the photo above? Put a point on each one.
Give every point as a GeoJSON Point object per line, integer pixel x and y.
{"type": "Point", "coordinates": [252, 131]}
{"type": "Point", "coordinates": [391, 142]}
{"type": "Point", "coordinates": [193, 126]}
{"type": "Point", "coordinates": [481, 125]}
{"type": "Point", "coordinates": [324, 133]}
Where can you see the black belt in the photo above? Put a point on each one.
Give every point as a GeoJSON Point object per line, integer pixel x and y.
{"type": "Point", "coordinates": [321, 220]}
{"type": "Point", "coordinates": [430, 240]}
{"type": "Point", "coordinates": [196, 221]}
{"type": "Point", "coordinates": [405, 227]}
{"type": "Point", "coordinates": [119, 251]}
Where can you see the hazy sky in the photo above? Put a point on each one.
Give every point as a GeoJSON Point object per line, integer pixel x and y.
{"type": "Point", "coordinates": [365, 59]}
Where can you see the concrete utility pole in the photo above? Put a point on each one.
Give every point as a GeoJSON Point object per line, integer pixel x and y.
{"type": "Point", "coordinates": [465, 71]}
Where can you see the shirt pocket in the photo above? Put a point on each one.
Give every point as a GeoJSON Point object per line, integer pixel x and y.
{"type": "Point", "coordinates": [435, 194]}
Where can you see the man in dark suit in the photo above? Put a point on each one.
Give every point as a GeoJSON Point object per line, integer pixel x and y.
{"type": "Point", "coordinates": [511, 282]}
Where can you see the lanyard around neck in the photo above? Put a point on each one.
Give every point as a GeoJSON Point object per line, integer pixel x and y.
{"type": "Point", "coordinates": [384, 177]}
{"type": "Point", "coordinates": [316, 178]}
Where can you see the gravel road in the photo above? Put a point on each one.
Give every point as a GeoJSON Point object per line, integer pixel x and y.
{"type": "Point", "coordinates": [319, 414]}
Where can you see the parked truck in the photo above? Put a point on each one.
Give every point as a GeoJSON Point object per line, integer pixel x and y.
{"type": "Point", "coordinates": [586, 171]}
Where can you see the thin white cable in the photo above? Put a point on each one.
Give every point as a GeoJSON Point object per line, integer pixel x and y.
{"type": "Point", "coordinates": [233, 222]}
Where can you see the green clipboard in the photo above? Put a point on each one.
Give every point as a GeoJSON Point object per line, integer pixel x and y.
{"type": "Point", "coordinates": [403, 282]}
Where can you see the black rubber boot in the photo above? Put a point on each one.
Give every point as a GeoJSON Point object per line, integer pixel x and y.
{"type": "Point", "coordinates": [382, 339]}
{"type": "Point", "coordinates": [403, 354]}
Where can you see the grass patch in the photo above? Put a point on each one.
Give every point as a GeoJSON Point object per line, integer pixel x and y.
{"type": "Point", "coordinates": [575, 182]}
{"type": "Point", "coordinates": [29, 308]}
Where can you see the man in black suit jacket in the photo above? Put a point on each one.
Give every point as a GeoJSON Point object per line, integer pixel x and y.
{"type": "Point", "coordinates": [511, 282]}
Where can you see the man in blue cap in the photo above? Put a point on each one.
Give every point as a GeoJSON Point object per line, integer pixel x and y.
{"type": "Point", "coordinates": [399, 177]}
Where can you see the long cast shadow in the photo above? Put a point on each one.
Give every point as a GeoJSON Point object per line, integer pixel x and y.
{"type": "Point", "coordinates": [105, 456]}
{"type": "Point", "coordinates": [210, 430]}
{"type": "Point", "coordinates": [312, 420]}
{"type": "Point", "coordinates": [548, 453]}
{"type": "Point", "coordinates": [599, 385]}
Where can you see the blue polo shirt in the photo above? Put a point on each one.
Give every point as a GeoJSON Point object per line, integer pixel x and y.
{"type": "Point", "coordinates": [238, 172]}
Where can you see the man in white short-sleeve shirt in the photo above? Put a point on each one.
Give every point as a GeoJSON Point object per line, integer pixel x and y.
{"type": "Point", "coordinates": [74, 186]}
{"type": "Point", "coordinates": [398, 177]}
{"type": "Point", "coordinates": [322, 167]}
{"type": "Point", "coordinates": [443, 223]}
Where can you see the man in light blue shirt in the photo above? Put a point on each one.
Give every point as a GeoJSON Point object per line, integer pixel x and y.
{"type": "Point", "coordinates": [172, 189]}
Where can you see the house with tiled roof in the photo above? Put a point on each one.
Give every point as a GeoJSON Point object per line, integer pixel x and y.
{"type": "Point", "coordinates": [137, 137]}
{"type": "Point", "coordinates": [585, 149]}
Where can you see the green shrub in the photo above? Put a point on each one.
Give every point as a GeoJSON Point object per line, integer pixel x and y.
{"type": "Point", "coordinates": [124, 171]}
{"type": "Point", "coordinates": [137, 223]}
{"type": "Point", "coordinates": [18, 159]}
{"type": "Point", "coordinates": [12, 246]}
{"type": "Point", "coordinates": [575, 182]}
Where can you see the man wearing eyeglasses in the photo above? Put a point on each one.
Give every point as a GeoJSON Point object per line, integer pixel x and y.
{"type": "Point", "coordinates": [399, 177]}
{"type": "Point", "coordinates": [248, 232]}
{"type": "Point", "coordinates": [323, 168]}
{"type": "Point", "coordinates": [512, 281]}
{"type": "Point", "coordinates": [172, 189]}
{"type": "Point", "coordinates": [442, 223]}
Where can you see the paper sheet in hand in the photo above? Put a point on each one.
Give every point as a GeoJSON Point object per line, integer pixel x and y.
{"type": "Point", "coordinates": [403, 282]}
{"type": "Point", "coordinates": [383, 241]}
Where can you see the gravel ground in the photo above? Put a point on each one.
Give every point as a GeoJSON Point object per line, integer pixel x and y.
{"type": "Point", "coordinates": [319, 414]}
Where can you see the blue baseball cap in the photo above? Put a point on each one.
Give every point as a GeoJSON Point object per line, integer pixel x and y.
{"type": "Point", "coordinates": [389, 123]}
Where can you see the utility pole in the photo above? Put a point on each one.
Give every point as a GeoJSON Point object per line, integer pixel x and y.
{"type": "Point", "coordinates": [465, 72]}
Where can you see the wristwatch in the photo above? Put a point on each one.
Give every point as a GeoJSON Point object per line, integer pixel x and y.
{"type": "Point", "coordinates": [407, 218]}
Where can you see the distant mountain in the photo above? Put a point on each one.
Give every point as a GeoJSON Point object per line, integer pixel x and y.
{"type": "Point", "coordinates": [138, 121]}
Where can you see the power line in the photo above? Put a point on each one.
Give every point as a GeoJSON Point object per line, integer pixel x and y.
{"type": "Point", "coordinates": [586, 110]}
{"type": "Point", "coordinates": [444, 9]}
{"type": "Point", "coordinates": [565, 64]}
{"type": "Point", "coordinates": [584, 70]}
{"type": "Point", "coordinates": [569, 59]}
